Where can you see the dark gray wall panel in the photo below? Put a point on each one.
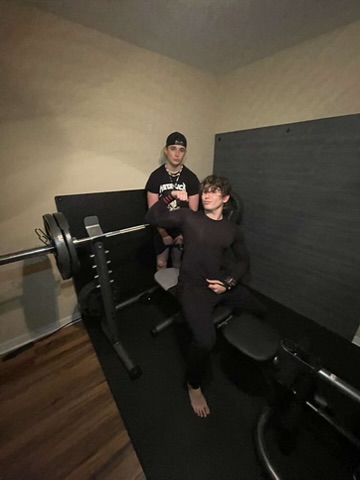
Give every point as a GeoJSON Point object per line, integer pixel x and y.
{"type": "Point", "coordinates": [301, 189]}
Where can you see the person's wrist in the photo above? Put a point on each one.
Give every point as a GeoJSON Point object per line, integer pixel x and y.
{"type": "Point", "coordinates": [168, 198]}
{"type": "Point", "coordinates": [229, 283]}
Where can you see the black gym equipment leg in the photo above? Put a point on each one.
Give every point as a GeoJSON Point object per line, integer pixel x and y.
{"type": "Point", "coordinates": [130, 301]}
{"type": "Point", "coordinates": [109, 326]}
{"type": "Point", "coordinates": [164, 324]}
{"type": "Point", "coordinates": [260, 445]}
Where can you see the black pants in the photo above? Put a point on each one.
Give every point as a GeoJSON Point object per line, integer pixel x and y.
{"type": "Point", "coordinates": [198, 304]}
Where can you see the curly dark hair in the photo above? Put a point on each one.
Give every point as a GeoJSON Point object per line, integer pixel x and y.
{"type": "Point", "coordinates": [215, 182]}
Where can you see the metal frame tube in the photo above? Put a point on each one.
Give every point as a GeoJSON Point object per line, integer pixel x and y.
{"type": "Point", "coordinates": [261, 448]}
{"type": "Point", "coordinates": [38, 251]}
{"type": "Point", "coordinates": [25, 254]}
{"type": "Point", "coordinates": [339, 384]}
{"type": "Point", "coordinates": [109, 234]}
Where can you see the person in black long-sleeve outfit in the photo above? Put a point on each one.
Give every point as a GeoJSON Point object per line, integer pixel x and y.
{"type": "Point", "coordinates": [206, 276]}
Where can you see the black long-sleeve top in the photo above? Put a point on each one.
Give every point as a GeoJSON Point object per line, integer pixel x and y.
{"type": "Point", "coordinates": [214, 249]}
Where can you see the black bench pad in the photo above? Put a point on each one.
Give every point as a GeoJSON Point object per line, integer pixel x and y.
{"type": "Point", "coordinates": [252, 336]}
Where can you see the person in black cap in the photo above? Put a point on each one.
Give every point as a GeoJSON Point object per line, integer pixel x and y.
{"type": "Point", "coordinates": [172, 175]}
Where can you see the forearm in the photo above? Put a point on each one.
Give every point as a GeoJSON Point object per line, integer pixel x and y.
{"type": "Point", "coordinates": [239, 265]}
{"type": "Point", "coordinates": [159, 215]}
{"type": "Point", "coordinates": [194, 202]}
{"type": "Point", "coordinates": [236, 274]}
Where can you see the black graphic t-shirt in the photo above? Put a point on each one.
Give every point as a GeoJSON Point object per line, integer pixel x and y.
{"type": "Point", "coordinates": [162, 183]}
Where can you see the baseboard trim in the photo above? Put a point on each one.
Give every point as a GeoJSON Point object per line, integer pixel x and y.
{"type": "Point", "coordinates": [28, 337]}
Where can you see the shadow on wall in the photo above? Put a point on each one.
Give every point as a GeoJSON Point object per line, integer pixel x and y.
{"type": "Point", "coordinates": [39, 298]}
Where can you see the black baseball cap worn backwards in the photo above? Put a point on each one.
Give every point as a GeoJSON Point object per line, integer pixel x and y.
{"type": "Point", "coordinates": [176, 138]}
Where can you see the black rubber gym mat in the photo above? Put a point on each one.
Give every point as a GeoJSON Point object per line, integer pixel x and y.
{"type": "Point", "coordinates": [171, 442]}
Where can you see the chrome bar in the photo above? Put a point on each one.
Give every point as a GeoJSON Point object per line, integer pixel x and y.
{"type": "Point", "coordinates": [25, 254]}
{"type": "Point", "coordinates": [110, 234]}
{"type": "Point", "coordinates": [340, 384]}
{"type": "Point", "coordinates": [340, 429]}
{"type": "Point", "coordinates": [35, 252]}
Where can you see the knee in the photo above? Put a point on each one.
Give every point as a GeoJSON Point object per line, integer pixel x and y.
{"type": "Point", "coordinates": [162, 259]}
{"type": "Point", "coordinates": [161, 264]}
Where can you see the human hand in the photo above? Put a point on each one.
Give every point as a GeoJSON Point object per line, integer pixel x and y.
{"type": "Point", "coordinates": [180, 195]}
{"type": "Point", "coordinates": [179, 240]}
{"type": "Point", "coordinates": [216, 286]}
{"type": "Point", "coordinates": [167, 240]}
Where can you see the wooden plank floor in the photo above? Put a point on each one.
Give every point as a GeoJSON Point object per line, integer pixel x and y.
{"type": "Point", "coordinates": [58, 419]}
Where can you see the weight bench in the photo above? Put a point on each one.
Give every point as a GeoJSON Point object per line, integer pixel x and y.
{"type": "Point", "coordinates": [167, 278]}
{"type": "Point", "coordinates": [297, 377]}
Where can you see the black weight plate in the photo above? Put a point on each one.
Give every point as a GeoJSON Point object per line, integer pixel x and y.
{"type": "Point", "coordinates": [64, 227]}
{"type": "Point", "coordinates": [90, 299]}
{"type": "Point", "coordinates": [61, 252]}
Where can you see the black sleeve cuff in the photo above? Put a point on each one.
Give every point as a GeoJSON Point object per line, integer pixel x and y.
{"type": "Point", "coordinates": [229, 282]}
{"type": "Point", "coordinates": [168, 199]}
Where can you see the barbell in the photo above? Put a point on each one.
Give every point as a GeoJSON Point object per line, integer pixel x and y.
{"type": "Point", "coordinates": [61, 244]}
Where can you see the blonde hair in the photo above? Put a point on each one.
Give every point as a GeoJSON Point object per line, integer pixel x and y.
{"type": "Point", "coordinates": [162, 157]}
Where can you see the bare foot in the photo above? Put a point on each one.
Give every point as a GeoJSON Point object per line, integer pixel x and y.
{"type": "Point", "coordinates": [198, 402]}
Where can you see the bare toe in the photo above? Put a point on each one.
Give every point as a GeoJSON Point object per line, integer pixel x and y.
{"type": "Point", "coordinates": [198, 402]}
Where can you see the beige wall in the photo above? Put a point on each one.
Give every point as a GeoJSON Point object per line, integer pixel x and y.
{"type": "Point", "coordinates": [315, 79]}
{"type": "Point", "coordinates": [74, 101]}
{"type": "Point", "coordinates": [80, 112]}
